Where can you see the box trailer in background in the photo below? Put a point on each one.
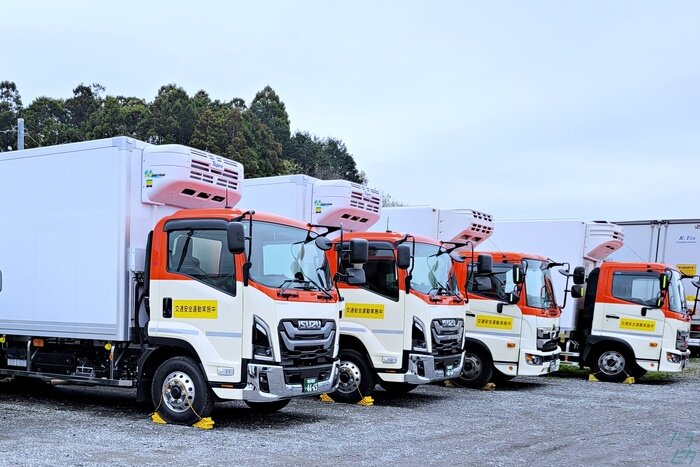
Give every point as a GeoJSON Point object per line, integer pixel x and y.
{"type": "Point", "coordinates": [675, 242]}
{"type": "Point", "coordinates": [107, 280]}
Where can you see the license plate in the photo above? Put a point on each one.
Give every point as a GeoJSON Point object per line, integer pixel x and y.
{"type": "Point", "coordinates": [310, 385]}
{"type": "Point", "coordinates": [449, 370]}
{"type": "Point", "coordinates": [553, 365]}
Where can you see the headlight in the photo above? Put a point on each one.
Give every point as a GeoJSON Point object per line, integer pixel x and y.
{"type": "Point", "coordinates": [418, 335]}
{"type": "Point", "coordinates": [262, 349]}
{"type": "Point", "coordinates": [673, 358]}
{"type": "Point", "coordinates": [533, 359]}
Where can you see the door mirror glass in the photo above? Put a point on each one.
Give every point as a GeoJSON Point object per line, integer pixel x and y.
{"type": "Point", "coordinates": [359, 251]}
{"type": "Point", "coordinates": [659, 302]}
{"type": "Point", "coordinates": [579, 275]}
{"type": "Point", "coordinates": [323, 243]}
{"type": "Point", "coordinates": [235, 237]}
{"type": "Point", "coordinates": [663, 281]}
{"type": "Point", "coordinates": [518, 276]}
{"type": "Point", "coordinates": [512, 298]}
{"type": "Point", "coordinates": [577, 291]}
{"type": "Point", "coordinates": [355, 276]}
{"type": "Point", "coordinates": [403, 256]}
{"type": "Point", "coordinates": [484, 264]}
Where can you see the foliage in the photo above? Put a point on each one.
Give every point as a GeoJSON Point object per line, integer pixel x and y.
{"type": "Point", "coordinates": [257, 136]}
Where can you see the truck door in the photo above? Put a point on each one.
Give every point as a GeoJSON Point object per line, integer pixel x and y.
{"type": "Point", "coordinates": [376, 310]}
{"type": "Point", "coordinates": [490, 320]}
{"type": "Point", "coordinates": [194, 296]}
{"type": "Point", "coordinates": [626, 311]}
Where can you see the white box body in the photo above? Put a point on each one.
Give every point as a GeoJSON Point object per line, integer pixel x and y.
{"type": "Point", "coordinates": [308, 199]}
{"type": "Point", "coordinates": [570, 241]}
{"type": "Point", "coordinates": [75, 221]}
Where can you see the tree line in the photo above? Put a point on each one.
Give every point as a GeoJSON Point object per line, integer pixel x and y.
{"type": "Point", "coordinates": [257, 135]}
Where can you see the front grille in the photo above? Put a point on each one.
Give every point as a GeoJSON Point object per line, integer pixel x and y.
{"type": "Point", "coordinates": [448, 335]}
{"type": "Point", "coordinates": [547, 339]}
{"type": "Point", "coordinates": [306, 347]}
{"type": "Point", "coordinates": [682, 340]}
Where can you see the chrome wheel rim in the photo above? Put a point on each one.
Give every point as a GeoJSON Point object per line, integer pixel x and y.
{"type": "Point", "coordinates": [178, 391]}
{"type": "Point", "coordinates": [349, 377]}
{"type": "Point", "coordinates": [611, 362]}
{"type": "Point", "coordinates": [472, 367]}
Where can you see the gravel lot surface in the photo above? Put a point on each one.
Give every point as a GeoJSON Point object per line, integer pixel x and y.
{"type": "Point", "coordinates": [551, 420]}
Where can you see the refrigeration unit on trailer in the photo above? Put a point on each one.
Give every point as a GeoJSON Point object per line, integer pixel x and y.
{"type": "Point", "coordinates": [395, 333]}
{"type": "Point", "coordinates": [675, 242]}
{"type": "Point", "coordinates": [627, 319]}
{"type": "Point", "coordinates": [107, 280]}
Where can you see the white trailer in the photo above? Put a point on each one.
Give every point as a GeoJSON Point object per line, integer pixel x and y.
{"type": "Point", "coordinates": [105, 279]}
{"type": "Point", "coordinates": [675, 242]}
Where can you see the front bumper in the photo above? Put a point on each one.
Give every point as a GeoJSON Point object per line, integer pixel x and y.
{"type": "Point", "coordinates": [424, 369]}
{"type": "Point", "coordinates": [681, 363]}
{"type": "Point", "coordinates": [548, 363]}
{"type": "Point", "coordinates": [268, 383]}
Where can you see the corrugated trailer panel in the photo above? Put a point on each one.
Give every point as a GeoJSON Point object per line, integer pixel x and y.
{"type": "Point", "coordinates": [63, 241]}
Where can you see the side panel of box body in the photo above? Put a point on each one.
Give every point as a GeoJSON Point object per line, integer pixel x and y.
{"type": "Point", "coordinates": [64, 245]}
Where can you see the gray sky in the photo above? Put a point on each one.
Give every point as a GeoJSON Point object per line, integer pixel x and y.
{"type": "Point", "coordinates": [535, 109]}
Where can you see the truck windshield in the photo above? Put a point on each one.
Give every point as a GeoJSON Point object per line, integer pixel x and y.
{"type": "Point", "coordinates": [432, 273]}
{"type": "Point", "coordinates": [286, 256]}
{"type": "Point", "coordinates": [538, 285]}
{"type": "Point", "coordinates": [676, 294]}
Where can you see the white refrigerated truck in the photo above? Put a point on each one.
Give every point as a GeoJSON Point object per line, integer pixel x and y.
{"type": "Point", "coordinates": [628, 319]}
{"type": "Point", "coordinates": [396, 332]}
{"type": "Point", "coordinates": [123, 264]}
{"type": "Point", "coordinates": [672, 241]}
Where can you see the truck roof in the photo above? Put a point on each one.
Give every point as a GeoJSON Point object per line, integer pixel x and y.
{"type": "Point", "coordinates": [389, 237]}
{"type": "Point", "coordinates": [513, 256]}
{"type": "Point", "coordinates": [228, 213]}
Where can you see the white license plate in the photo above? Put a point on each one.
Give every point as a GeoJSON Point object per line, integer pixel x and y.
{"type": "Point", "coordinates": [310, 385]}
{"type": "Point", "coordinates": [449, 370]}
{"type": "Point", "coordinates": [553, 365]}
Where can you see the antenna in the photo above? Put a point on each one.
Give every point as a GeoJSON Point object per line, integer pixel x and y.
{"type": "Point", "coordinates": [387, 224]}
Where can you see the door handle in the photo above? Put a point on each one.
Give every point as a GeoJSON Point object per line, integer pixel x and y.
{"type": "Point", "coordinates": [167, 307]}
{"type": "Point", "coordinates": [469, 314]}
{"type": "Point", "coordinates": [612, 316]}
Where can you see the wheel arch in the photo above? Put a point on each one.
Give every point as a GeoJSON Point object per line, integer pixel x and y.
{"type": "Point", "coordinates": [593, 343]}
{"type": "Point", "coordinates": [161, 350]}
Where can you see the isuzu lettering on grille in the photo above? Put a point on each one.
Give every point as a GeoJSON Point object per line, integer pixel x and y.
{"type": "Point", "coordinates": [449, 322]}
{"type": "Point", "coordinates": [309, 324]}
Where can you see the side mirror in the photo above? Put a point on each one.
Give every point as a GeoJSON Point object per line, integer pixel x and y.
{"type": "Point", "coordinates": [659, 302]}
{"type": "Point", "coordinates": [512, 298]}
{"type": "Point", "coordinates": [663, 281]}
{"type": "Point", "coordinates": [484, 264]}
{"type": "Point", "coordinates": [518, 276]}
{"type": "Point", "coordinates": [355, 276]}
{"type": "Point", "coordinates": [323, 243]}
{"type": "Point", "coordinates": [456, 257]}
{"type": "Point", "coordinates": [579, 275]}
{"type": "Point", "coordinates": [235, 237]}
{"type": "Point", "coordinates": [577, 291]}
{"type": "Point", "coordinates": [696, 283]}
{"type": "Point", "coordinates": [359, 251]}
{"type": "Point", "coordinates": [403, 256]}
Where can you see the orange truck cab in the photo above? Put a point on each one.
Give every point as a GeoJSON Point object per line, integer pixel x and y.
{"type": "Point", "coordinates": [632, 318]}
{"type": "Point", "coordinates": [405, 326]}
{"type": "Point", "coordinates": [512, 325]}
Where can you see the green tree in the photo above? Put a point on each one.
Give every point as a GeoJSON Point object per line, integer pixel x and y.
{"type": "Point", "coordinates": [10, 107]}
{"type": "Point", "coordinates": [121, 116]}
{"type": "Point", "coordinates": [85, 101]}
{"type": "Point", "coordinates": [173, 116]}
{"type": "Point", "coordinates": [323, 158]}
{"type": "Point", "coordinates": [47, 122]}
{"type": "Point", "coordinates": [272, 112]}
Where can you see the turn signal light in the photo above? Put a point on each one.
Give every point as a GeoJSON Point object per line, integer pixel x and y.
{"type": "Point", "coordinates": [38, 342]}
{"type": "Point", "coordinates": [653, 344]}
{"type": "Point", "coordinates": [510, 345]}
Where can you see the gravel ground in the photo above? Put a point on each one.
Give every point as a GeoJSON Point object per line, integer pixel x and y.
{"type": "Point", "coordinates": [549, 420]}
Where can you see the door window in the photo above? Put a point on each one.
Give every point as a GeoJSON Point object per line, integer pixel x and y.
{"type": "Point", "coordinates": [635, 287]}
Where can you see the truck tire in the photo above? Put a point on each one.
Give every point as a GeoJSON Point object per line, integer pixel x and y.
{"type": "Point", "coordinates": [499, 377]}
{"type": "Point", "coordinates": [397, 388]}
{"type": "Point", "coordinates": [356, 378]}
{"type": "Point", "coordinates": [267, 407]}
{"type": "Point", "coordinates": [610, 364]}
{"type": "Point", "coordinates": [477, 370]}
{"type": "Point", "coordinates": [180, 392]}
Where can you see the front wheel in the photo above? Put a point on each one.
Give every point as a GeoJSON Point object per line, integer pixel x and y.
{"type": "Point", "coordinates": [397, 388]}
{"type": "Point", "coordinates": [356, 378]}
{"type": "Point", "coordinates": [611, 365]}
{"type": "Point", "coordinates": [477, 370]}
{"type": "Point", "coordinates": [500, 378]}
{"type": "Point", "coordinates": [267, 407]}
{"type": "Point", "coordinates": [180, 392]}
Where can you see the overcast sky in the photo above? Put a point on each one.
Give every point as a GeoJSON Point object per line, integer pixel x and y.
{"type": "Point", "coordinates": [536, 109]}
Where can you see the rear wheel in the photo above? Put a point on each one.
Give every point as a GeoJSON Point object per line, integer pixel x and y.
{"type": "Point", "coordinates": [477, 370]}
{"type": "Point", "coordinates": [180, 393]}
{"type": "Point", "coordinates": [611, 364]}
{"type": "Point", "coordinates": [397, 388]}
{"type": "Point", "coordinates": [356, 378]}
{"type": "Point", "coordinates": [267, 407]}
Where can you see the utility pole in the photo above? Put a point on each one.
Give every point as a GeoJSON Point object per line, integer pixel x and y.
{"type": "Point", "coordinates": [20, 134]}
